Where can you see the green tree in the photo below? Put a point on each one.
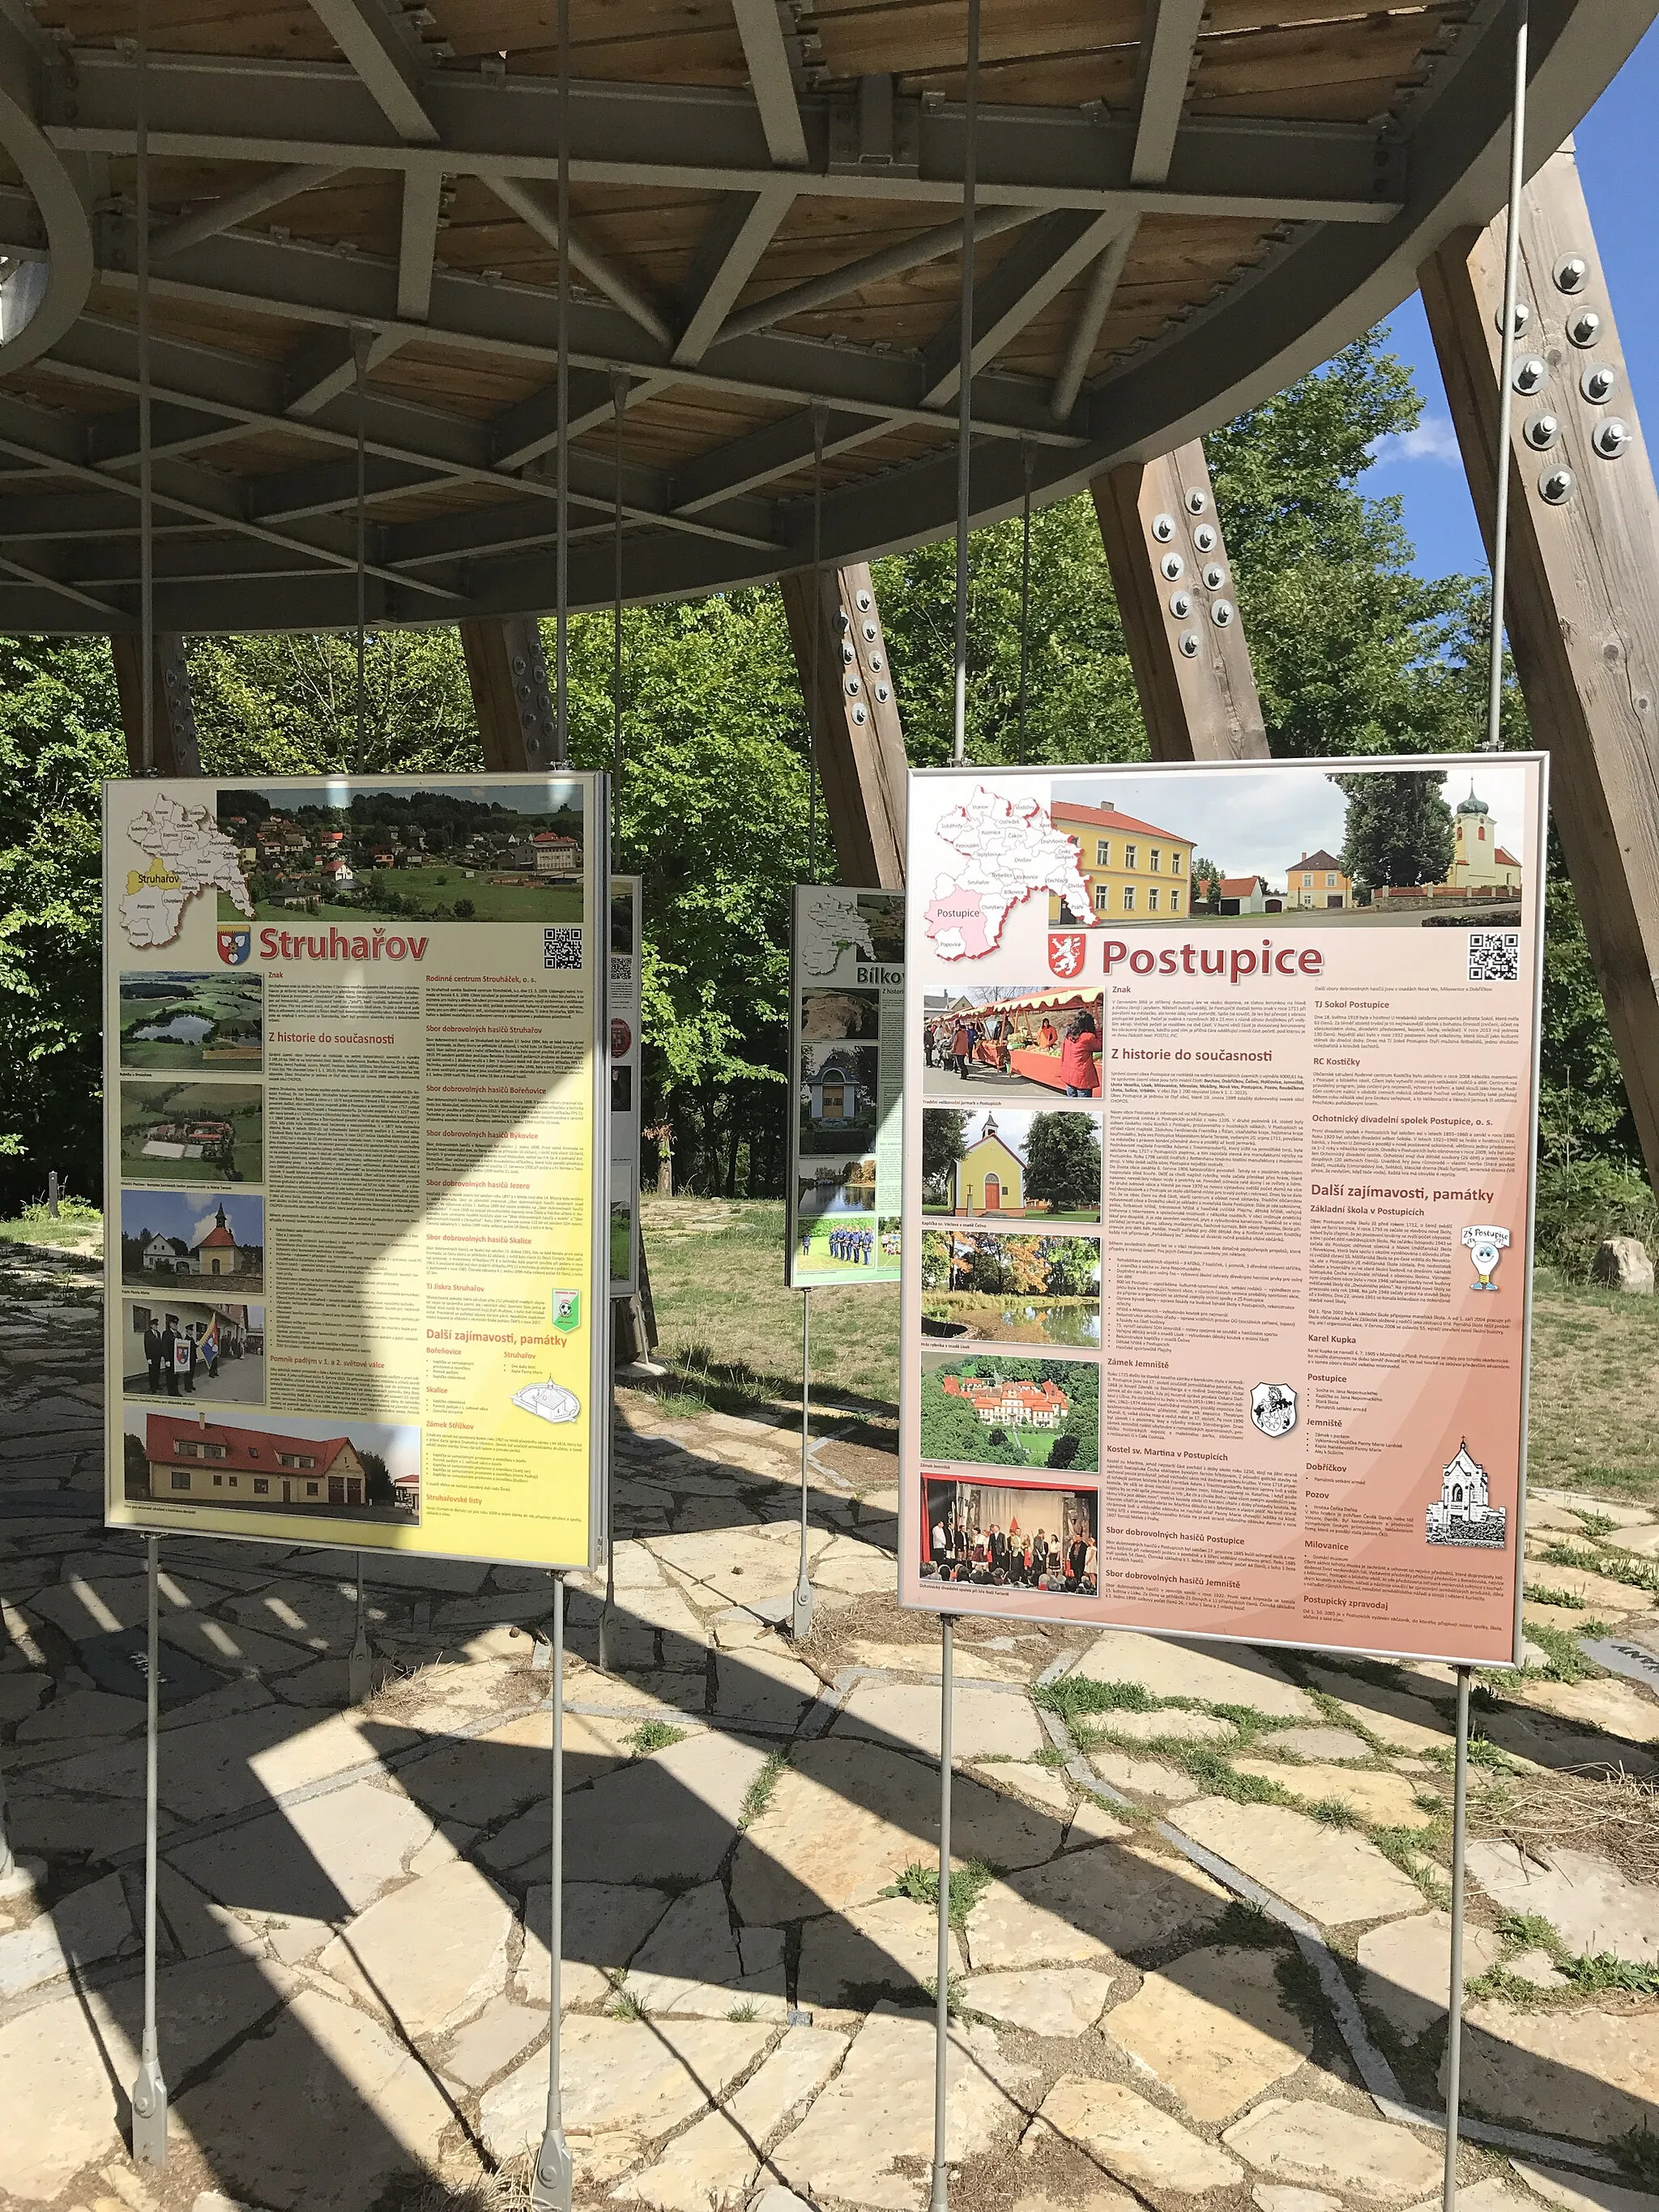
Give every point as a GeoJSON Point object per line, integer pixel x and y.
{"type": "Point", "coordinates": [1207, 887]}
{"type": "Point", "coordinates": [1062, 1163]}
{"type": "Point", "coordinates": [377, 1485]}
{"type": "Point", "coordinates": [943, 1141]}
{"type": "Point", "coordinates": [1399, 828]}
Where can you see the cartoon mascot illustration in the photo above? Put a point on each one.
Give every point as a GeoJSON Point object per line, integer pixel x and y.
{"type": "Point", "coordinates": [1486, 1247]}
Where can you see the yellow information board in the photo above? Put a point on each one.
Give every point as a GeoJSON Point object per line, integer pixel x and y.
{"type": "Point", "coordinates": [357, 1086]}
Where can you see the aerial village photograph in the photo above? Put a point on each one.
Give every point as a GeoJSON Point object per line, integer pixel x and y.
{"type": "Point", "coordinates": [994, 1288]}
{"type": "Point", "coordinates": [1010, 1413]}
{"type": "Point", "coordinates": [211, 1132]}
{"type": "Point", "coordinates": [174, 1021]}
{"type": "Point", "coordinates": [1028, 1042]}
{"type": "Point", "coordinates": [1315, 848]}
{"type": "Point", "coordinates": [207, 1347]}
{"type": "Point", "coordinates": [471, 854]}
{"type": "Point", "coordinates": [1015, 1534]}
{"type": "Point", "coordinates": [367, 1471]}
{"type": "Point", "coordinates": [978, 1164]}
{"type": "Point", "coordinates": [206, 1238]}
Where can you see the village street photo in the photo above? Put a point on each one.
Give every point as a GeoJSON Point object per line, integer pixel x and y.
{"type": "Point", "coordinates": [468, 853]}
{"type": "Point", "coordinates": [367, 1471]}
{"type": "Point", "coordinates": [1023, 1043]}
{"type": "Point", "coordinates": [201, 1132]}
{"type": "Point", "coordinates": [206, 1348]}
{"type": "Point", "coordinates": [837, 1097]}
{"type": "Point", "coordinates": [995, 1411]}
{"type": "Point", "coordinates": [1011, 1535]}
{"type": "Point", "coordinates": [1002, 1288]}
{"type": "Point", "coordinates": [174, 1021]}
{"type": "Point", "coordinates": [197, 1241]}
{"type": "Point", "coordinates": [991, 1166]}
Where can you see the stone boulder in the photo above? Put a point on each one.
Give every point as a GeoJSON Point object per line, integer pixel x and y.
{"type": "Point", "coordinates": [1623, 1264]}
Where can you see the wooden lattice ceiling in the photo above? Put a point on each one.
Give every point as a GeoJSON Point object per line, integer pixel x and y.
{"type": "Point", "coordinates": [1181, 207]}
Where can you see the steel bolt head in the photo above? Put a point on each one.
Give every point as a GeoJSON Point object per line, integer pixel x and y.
{"type": "Point", "coordinates": [1585, 327]}
{"type": "Point", "coordinates": [1181, 605]}
{"type": "Point", "coordinates": [865, 602]}
{"type": "Point", "coordinates": [1573, 274]}
{"type": "Point", "coordinates": [1215, 577]}
{"type": "Point", "coordinates": [1197, 501]}
{"type": "Point", "coordinates": [1531, 373]}
{"type": "Point", "coordinates": [1522, 317]}
{"type": "Point", "coordinates": [851, 687]}
{"type": "Point", "coordinates": [1222, 613]}
{"type": "Point", "coordinates": [1541, 431]}
{"type": "Point", "coordinates": [1164, 528]}
{"type": "Point", "coordinates": [1173, 567]}
{"type": "Point", "coordinates": [871, 632]}
{"type": "Point", "coordinates": [1558, 486]}
{"type": "Point", "coordinates": [1597, 383]}
{"type": "Point", "coordinates": [1189, 644]}
{"type": "Point", "coordinates": [1611, 437]}
{"type": "Point", "coordinates": [1204, 538]}
{"type": "Point", "coordinates": [860, 715]}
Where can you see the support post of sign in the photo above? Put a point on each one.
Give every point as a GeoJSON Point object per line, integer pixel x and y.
{"type": "Point", "coordinates": [555, 2178]}
{"type": "Point", "coordinates": [1455, 1992]}
{"type": "Point", "coordinates": [149, 2091]}
{"type": "Point", "coordinates": [359, 1670]}
{"type": "Point", "coordinates": [859, 740]}
{"type": "Point", "coordinates": [800, 1610]}
{"type": "Point", "coordinates": [940, 2200]}
{"type": "Point", "coordinates": [172, 717]}
{"type": "Point", "coordinates": [507, 674]}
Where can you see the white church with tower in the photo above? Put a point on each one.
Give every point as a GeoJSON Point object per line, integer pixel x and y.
{"type": "Point", "coordinates": [1464, 1512]}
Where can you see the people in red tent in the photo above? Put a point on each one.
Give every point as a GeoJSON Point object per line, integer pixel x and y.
{"type": "Point", "coordinates": [1076, 1056]}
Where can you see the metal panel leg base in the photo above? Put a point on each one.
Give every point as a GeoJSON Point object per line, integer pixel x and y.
{"type": "Point", "coordinates": [149, 2116]}
{"type": "Point", "coordinates": [556, 2175]}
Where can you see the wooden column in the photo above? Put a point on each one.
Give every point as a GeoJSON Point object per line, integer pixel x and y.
{"type": "Point", "coordinates": [174, 750]}
{"type": "Point", "coordinates": [861, 759]}
{"type": "Point", "coordinates": [1179, 608]}
{"type": "Point", "coordinates": [507, 672]}
{"type": "Point", "coordinates": [1582, 608]}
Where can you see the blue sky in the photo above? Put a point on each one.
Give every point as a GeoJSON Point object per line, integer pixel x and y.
{"type": "Point", "coordinates": [1615, 156]}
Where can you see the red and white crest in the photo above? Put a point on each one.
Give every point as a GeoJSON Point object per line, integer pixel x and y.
{"type": "Point", "coordinates": [1066, 949]}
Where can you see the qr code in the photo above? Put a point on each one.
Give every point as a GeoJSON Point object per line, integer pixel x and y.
{"type": "Point", "coordinates": [562, 948]}
{"type": "Point", "coordinates": [1494, 955]}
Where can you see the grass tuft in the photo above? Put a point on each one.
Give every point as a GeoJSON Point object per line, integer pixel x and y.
{"type": "Point", "coordinates": [653, 1735]}
{"type": "Point", "coordinates": [1637, 2152]}
{"type": "Point", "coordinates": [1074, 1695]}
{"type": "Point", "coordinates": [758, 1795]}
{"type": "Point", "coordinates": [919, 1883]}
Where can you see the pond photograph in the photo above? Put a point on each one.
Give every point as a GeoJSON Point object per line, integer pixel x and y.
{"type": "Point", "coordinates": [986, 1287]}
{"type": "Point", "coordinates": [170, 1020]}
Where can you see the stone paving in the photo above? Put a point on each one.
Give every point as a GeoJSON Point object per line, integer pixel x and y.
{"type": "Point", "coordinates": [1199, 1929]}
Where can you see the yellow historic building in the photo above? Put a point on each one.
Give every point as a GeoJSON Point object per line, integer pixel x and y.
{"type": "Point", "coordinates": [1478, 862]}
{"type": "Point", "coordinates": [1316, 879]}
{"type": "Point", "coordinates": [989, 1178]}
{"type": "Point", "coordinates": [1133, 868]}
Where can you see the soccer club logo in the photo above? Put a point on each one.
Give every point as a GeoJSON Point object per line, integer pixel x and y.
{"type": "Point", "coordinates": [1273, 1408]}
{"type": "Point", "coordinates": [235, 946]}
{"type": "Point", "coordinates": [1065, 951]}
{"type": "Point", "coordinates": [567, 1312]}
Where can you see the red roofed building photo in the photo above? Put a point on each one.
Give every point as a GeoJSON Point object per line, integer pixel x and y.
{"type": "Point", "coordinates": [1132, 867]}
{"type": "Point", "coordinates": [183, 1458]}
{"type": "Point", "coordinates": [1006, 1403]}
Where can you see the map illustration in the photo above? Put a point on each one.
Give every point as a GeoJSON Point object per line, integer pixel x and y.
{"type": "Point", "coordinates": [188, 854]}
{"type": "Point", "coordinates": [832, 925]}
{"type": "Point", "coordinates": [1010, 850]}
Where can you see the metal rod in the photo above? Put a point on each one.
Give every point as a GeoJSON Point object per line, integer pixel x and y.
{"type": "Point", "coordinates": [150, 2093]}
{"type": "Point", "coordinates": [1455, 1990]}
{"type": "Point", "coordinates": [619, 405]}
{"type": "Point", "coordinates": [561, 337]}
{"type": "Point", "coordinates": [555, 2176]}
{"type": "Point", "coordinates": [819, 422]}
{"type": "Point", "coordinates": [146, 464]}
{"type": "Point", "coordinates": [941, 2197]}
{"type": "Point", "coordinates": [1500, 549]}
{"type": "Point", "coordinates": [1026, 456]}
{"type": "Point", "coordinates": [361, 339]}
{"type": "Point", "coordinates": [359, 1669]}
{"type": "Point", "coordinates": [800, 1619]}
{"type": "Point", "coordinates": [965, 389]}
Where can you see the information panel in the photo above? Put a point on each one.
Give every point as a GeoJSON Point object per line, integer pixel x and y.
{"type": "Point", "coordinates": [846, 1057]}
{"type": "Point", "coordinates": [1219, 1103]}
{"type": "Point", "coordinates": [357, 1082]}
{"type": "Point", "coordinates": [626, 953]}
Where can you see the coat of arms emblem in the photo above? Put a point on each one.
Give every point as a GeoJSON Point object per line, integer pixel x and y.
{"type": "Point", "coordinates": [1065, 948]}
{"type": "Point", "coordinates": [1273, 1408]}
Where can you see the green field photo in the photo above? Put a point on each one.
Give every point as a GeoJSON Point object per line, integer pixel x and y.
{"type": "Point", "coordinates": [175, 1133]}
{"type": "Point", "coordinates": [177, 1021]}
{"type": "Point", "coordinates": [985, 1411]}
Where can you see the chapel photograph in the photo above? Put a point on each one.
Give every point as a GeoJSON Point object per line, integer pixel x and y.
{"type": "Point", "coordinates": [193, 1241]}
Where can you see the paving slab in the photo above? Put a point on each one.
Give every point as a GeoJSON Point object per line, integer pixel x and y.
{"type": "Point", "coordinates": [471, 1780]}
{"type": "Point", "coordinates": [1127, 2136]}
{"type": "Point", "coordinates": [1053, 2000]}
{"type": "Point", "coordinates": [891, 1945]}
{"type": "Point", "coordinates": [1406, 1967]}
{"type": "Point", "coordinates": [75, 1714]}
{"type": "Point", "coordinates": [1619, 1709]}
{"type": "Point", "coordinates": [1331, 1874]}
{"type": "Point", "coordinates": [1214, 2027]}
{"type": "Point", "coordinates": [1394, 1718]}
{"type": "Point", "coordinates": [1146, 1777]}
{"type": "Point", "coordinates": [1321, 1743]}
{"type": "Point", "coordinates": [716, 2163]}
{"type": "Point", "coordinates": [1110, 1900]}
{"type": "Point", "coordinates": [1173, 1723]}
{"type": "Point", "coordinates": [432, 1951]}
{"type": "Point", "coordinates": [761, 1683]}
{"type": "Point", "coordinates": [319, 2114]}
{"type": "Point", "coordinates": [1585, 2073]}
{"type": "Point", "coordinates": [202, 2006]}
{"type": "Point", "coordinates": [847, 1817]}
{"type": "Point", "coordinates": [1043, 1785]}
{"type": "Point", "coordinates": [667, 1818]}
{"type": "Point", "coordinates": [984, 1723]}
{"type": "Point", "coordinates": [692, 1950]}
{"type": "Point", "coordinates": [858, 1568]}
{"type": "Point", "coordinates": [1590, 1903]}
{"type": "Point", "coordinates": [1583, 2193]}
{"type": "Point", "coordinates": [323, 1859]}
{"type": "Point", "coordinates": [199, 1927]}
{"type": "Point", "coordinates": [312, 1611]}
{"type": "Point", "coordinates": [641, 2078]}
{"type": "Point", "coordinates": [488, 2045]}
{"type": "Point", "coordinates": [968, 1664]}
{"type": "Point", "coordinates": [1390, 1800]}
{"type": "Point", "coordinates": [60, 2103]}
{"type": "Point", "coordinates": [1325, 2147]}
{"type": "Point", "coordinates": [87, 1926]}
{"type": "Point", "coordinates": [879, 2109]}
{"type": "Point", "coordinates": [1168, 1668]}
{"type": "Point", "coordinates": [605, 1924]}
{"type": "Point", "coordinates": [1269, 2198]}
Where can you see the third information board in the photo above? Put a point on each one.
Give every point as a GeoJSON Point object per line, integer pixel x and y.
{"type": "Point", "coordinates": [1219, 1090]}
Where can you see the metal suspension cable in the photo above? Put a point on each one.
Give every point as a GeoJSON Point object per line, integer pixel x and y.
{"type": "Point", "coordinates": [619, 402]}
{"type": "Point", "coordinates": [361, 337]}
{"type": "Point", "coordinates": [561, 330]}
{"type": "Point", "coordinates": [146, 465]}
{"type": "Point", "coordinates": [1027, 460]}
{"type": "Point", "coordinates": [819, 424]}
{"type": "Point", "coordinates": [965, 373]}
{"type": "Point", "coordinates": [1500, 549]}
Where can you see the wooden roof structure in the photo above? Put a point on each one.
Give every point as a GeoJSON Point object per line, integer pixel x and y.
{"type": "Point", "coordinates": [1182, 204]}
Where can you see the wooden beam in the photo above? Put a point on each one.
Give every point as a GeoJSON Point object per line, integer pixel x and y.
{"type": "Point", "coordinates": [860, 742]}
{"type": "Point", "coordinates": [1582, 607]}
{"type": "Point", "coordinates": [1185, 636]}
{"type": "Point", "coordinates": [173, 720]}
{"type": "Point", "coordinates": [507, 673]}
{"type": "Point", "coordinates": [1169, 38]}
